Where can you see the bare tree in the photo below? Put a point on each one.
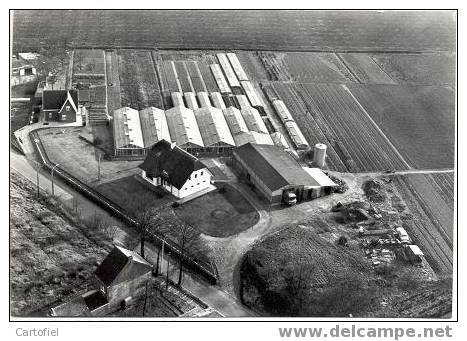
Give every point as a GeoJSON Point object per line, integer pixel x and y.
{"type": "Point", "coordinates": [188, 236]}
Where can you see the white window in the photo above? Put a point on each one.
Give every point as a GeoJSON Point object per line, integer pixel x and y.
{"type": "Point", "coordinates": [50, 115]}
{"type": "Point", "coordinates": [63, 117]}
{"type": "Point", "coordinates": [67, 108]}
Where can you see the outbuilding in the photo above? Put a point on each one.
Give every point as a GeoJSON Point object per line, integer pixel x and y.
{"type": "Point", "coordinates": [274, 173]}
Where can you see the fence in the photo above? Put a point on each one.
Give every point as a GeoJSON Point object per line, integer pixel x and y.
{"type": "Point", "coordinates": [206, 270]}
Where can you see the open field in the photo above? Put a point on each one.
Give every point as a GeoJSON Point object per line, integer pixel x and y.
{"type": "Point", "coordinates": [219, 214]}
{"type": "Point", "coordinates": [138, 80]}
{"type": "Point", "coordinates": [317, 68]}
{"type": "Point", "coordinates": [269, 30]}
{"type": "Point", "coordinates": [80, 158]}
{"type": "Point", "coordinates": [333, 111]}
{"type": "Point", "coordinates": [52, 256]}
{"type": "Point", "coordinates": [419, 120]}
{"type": "Point", "coordinates": [365, 69]}
{"type": "Point", "coordinates": [431, 226]}
{"type": "Point", "coordinates": [421, 69]}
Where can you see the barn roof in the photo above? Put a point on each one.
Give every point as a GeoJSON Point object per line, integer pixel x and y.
{"type": "Point", "coordinates": [190, 100]}
{"type": "Point", "coordinates": [219, 77]}
{"type": "Point", "coordinates": [235, 120]}
{"type": "Point", "coordinates": [251, 94]}
{"type": "Point", "coordinates": [296, 134]}
{"type": "Point", "coordinates": [275, 167]}
{"type": "Point", "coordinates": [252, 137]}
{"type": "Point", "coordinates": [153, 126]}
{"type": "Point", "coordinates": [173, 163]}
{"type": "Point", "coordinates": [253, 120]}
{"type": "Point", "coordinates": [320, 177]}
{"type": "Point", "coordinates": [217, 100]}
{"type": "Point", "coordinates": [127, 128]}
{"type": "Point", "coordinates": [282, 111]}
{"type": "Point", "coordinates": [241, 75]}
{"type": "Point", "coordinates": [229, 73]}
{"type": "Point", "coordinates": [213, 127]}
{"type": "Point", "coordinates": [121, 265]}
{"type": "Point", "coordinates": [183, 127]}
{"type": "Point", "coordinates": [54, 99]}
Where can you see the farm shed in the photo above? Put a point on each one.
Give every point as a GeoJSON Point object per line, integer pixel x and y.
{"type": "Point", "coordinates": [252, 95]}
{"type": "Point", "coordinates": [413, 253]}
{"type": "Point", "coordinates": [128, 136]}
{"type": "Point", "coordinates": [203, 98]}
{"type": "Point", "coordinates": [253, 120]}
{"type": "Point", "coordinates": [190, 100]}
{"type": "Point", "coordinates": [235, 120]}
{"type": "Point", "coordinates": [177, 99]}
{"type": "Point", "coordinates": [275, 172]}
{"type": "Point", "coordinates": [175, 170]}
{"type": "Point", "coordinates": [214, 130]}
{"type": "Point", "coordinates": [252, 137]}
{"type": "Point", "coordinates": [242, 101]}
{"type": "Point", "coordinates": [241, 75]}
{"type": "Point", "coordinates": [217, 100]}
{"type": "Point", "coordinates": [60, 105]}
{"type": "Point", "coordinates": [153, 126]}
{"type": "Point", "coordinates": [228, 71]}
{"type": "Point", "coordinates": [219, 77]}
{"type": "Point", "coordinates": [282, 111]}
{"type": "Point", "coordinates": [183, 129]}
{"type": "Point", "coordinates": [296, 135]}
{"type": "Point", "coordinates": [325, 184]}
{"type": "Point", "coordinates": [279, 140]}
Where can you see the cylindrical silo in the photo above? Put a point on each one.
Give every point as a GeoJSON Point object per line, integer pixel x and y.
{"type": "Point", "coordinates": [319, 156]}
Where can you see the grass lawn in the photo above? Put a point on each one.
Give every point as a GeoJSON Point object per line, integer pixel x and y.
{"type": "Point", "coordinates": [128, 191]}
{"type": "Point", "coordinates": [219, 214]}
{"type": "Point", "coordinates": [80, 158]}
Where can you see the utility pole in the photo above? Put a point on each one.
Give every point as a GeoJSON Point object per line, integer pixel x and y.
{"type": "Point", "coordinates": [52, 176]}
{"type": "Point", "coordinates": [162, 253]}
{"type": "Point", "coordinates": [99, 166]}
{"type": "Point", "coordinates": [37, 179]}
{"type": "Point", "coordinates": [167, 276]}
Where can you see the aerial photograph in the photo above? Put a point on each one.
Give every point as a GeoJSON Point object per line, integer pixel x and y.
{"type": "Point", "coordinates": [247, 164]}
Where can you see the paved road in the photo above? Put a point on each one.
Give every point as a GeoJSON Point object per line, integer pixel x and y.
{"type": "Point", "coordinates": [221, 301]}
{"type": "Point", "coordinates": [406, 172]}
{"type": "Point", "coordinates": [211, 295]}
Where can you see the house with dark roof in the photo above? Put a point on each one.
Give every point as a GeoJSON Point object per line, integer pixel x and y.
{"type": "Point", "coordinates": [175, 170]}
{"type": "Point", "coordinates": [60, 105]}
{"type": "Point", "coordinates": [120, 278]}
{"type": "Point", "coordinates": [274, 173]}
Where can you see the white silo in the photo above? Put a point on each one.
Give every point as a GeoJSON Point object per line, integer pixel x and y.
{"type": "Point", "coordinates": [319, 156]}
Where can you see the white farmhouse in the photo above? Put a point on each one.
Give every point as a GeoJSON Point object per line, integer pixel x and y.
{"type": "Point", "coordinates": [175, 170]}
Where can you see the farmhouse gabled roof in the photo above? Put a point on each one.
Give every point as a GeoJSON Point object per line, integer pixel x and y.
{"type": "Point", "coordinates": [275, 167]}
{"type": "Point", "coordinates": [121, 265]}
{"type": "Point", "coordinates": [173, 163]}
{"type": "Point", "coordinates": [54, 99]}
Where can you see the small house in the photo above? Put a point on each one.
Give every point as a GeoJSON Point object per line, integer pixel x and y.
{"type": "Point", "coordinates": [60, 105]}
{"type": "Point", "coordinates": [175, 170]}
{"type": "Point", "coordinates": [122, 274]}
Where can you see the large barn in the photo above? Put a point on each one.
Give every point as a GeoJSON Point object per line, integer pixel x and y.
{"type": "Point", "coordinates": [274, 173]}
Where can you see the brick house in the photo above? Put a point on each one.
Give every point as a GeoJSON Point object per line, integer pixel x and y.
{"type": "Point", "coordinates": [60, 105]}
